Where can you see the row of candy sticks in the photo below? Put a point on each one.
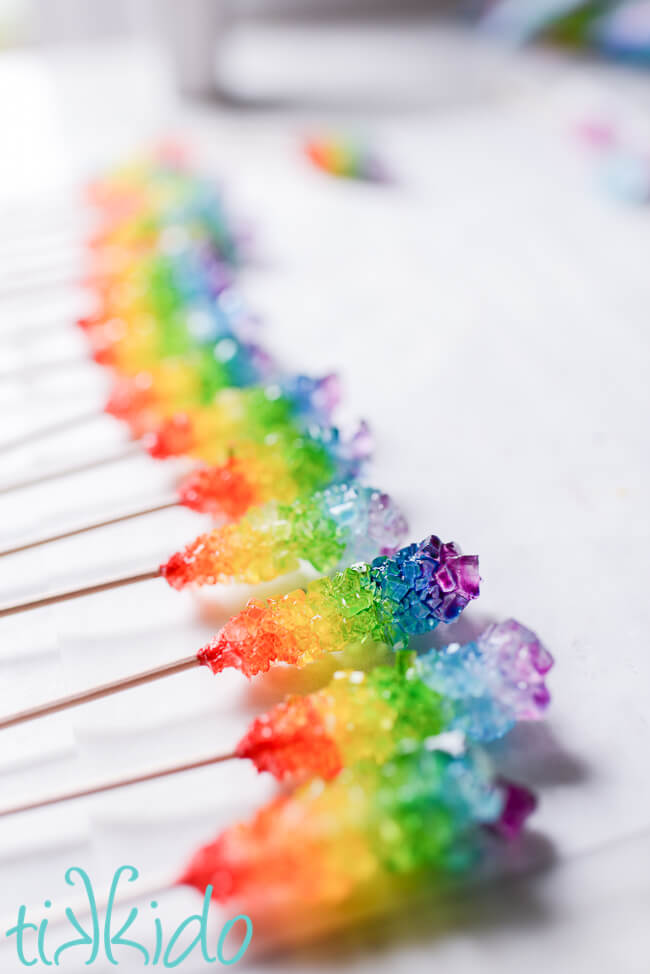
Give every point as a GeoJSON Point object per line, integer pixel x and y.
{"type": "Point", "coordinates": [378, 798]}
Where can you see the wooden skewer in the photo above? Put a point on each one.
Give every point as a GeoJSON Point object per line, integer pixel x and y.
{"type": "Point", "coordinates": [14, 241]}
{"type": "Point", "coordinates": [19, 285]}
{"type": "Point", "coordinates": [42, 432]}
{"type": "Point", "coordinates": [112, 784]}
{"type": "Point", "coordinates": [25, 270]}
{"type": "Point", "coordinates": [35, 368]}
{"type": "Point", "coordinates": [75, 593]}
{"type": "Point", "coordinates": [44, 215]}
{"type": "Point", "coordinates": [124, 453]}
{"type": "Point", "coordinates": [43, 254]}
{"type": "Point", "coordinates": [29, 333]}
{"type": "Point", "coordinates": [98, 693]}
{"type": "Point", "coordinates": [163, 505]}
{"type": "Point", "coordinates": [54, 250]}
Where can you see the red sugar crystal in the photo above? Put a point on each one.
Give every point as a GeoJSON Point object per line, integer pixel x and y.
{"type": "Point", "coordinates": [291, 742]}
{"type": "Point", "coordinates": [128, 396]}
{"type": "Point", "coordinates": [233, 865]}
{"type": "Point", "coordinates": [318, 152]}
{"type": "Point", "coordinates": [88, 322]}
{"type": "Point", "coordinates": [209, 867]}
{"type": "Point", "coordinates": [176, 571]}
{"type": "Point", "coordinates": [251, 642]}
{"type": "Point", "coordinates": [218, 490]}
{"type": "Point", "coordinates": [173, 438]}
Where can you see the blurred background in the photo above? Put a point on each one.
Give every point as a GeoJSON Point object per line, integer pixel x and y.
{"type": "Point", "coordinates": [200, 32]}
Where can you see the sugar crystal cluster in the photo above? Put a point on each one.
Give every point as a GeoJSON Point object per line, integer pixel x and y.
{"type": "Point", "coordinates": [384, 602]}
{"type": "Point", "coordinates": [418, 814]}
{"type": "Point", "coordinates": [331, 528]}
{"type": "Point", "coordinates": [373, 716]}
{"type": "Point", "coordinates": [377, 800]}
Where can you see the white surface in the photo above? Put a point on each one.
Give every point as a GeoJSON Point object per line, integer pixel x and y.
{"type": "Point", "coordinates": [489, 316]}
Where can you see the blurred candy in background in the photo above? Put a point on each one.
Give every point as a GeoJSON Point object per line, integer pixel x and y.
{"type": "Point", "coordinates": [205, 36]}
{"type": "Point", "coordinates": [618, 28]}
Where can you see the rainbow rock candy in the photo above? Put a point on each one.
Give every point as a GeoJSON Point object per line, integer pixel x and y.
{"type": "Point", "coordinates": [188, 378]}
{"type": "Point", "coordinates": [384, 602]}
{"type": "Point", "coordinates": [481, 689]}
{"type": "Point", "coordinates": [258, 414]}
{"type": "Point", "coordinates": [417, 816]}
{"type": "Point", "coordinates": [345, 158]}
{"type": "Point", "coordinates": [283, 468]}
{"type": "Point", "coordinates": [380, 805]}
{"type": "Point", "coordinates": [211, 349]}
{"type": "Point", "coordinates": [174, 344]}
{"type": "Point", "coordinates": [178, 364]}
{"type": "Point", "coordinates": [152, 197]}
{"type": "Point", "coordinates": [167, 321]}
{"type": "Point", "coordinates": [492, 682]}
{"type": "Point", "coordinates": [343, 524]}
{"type": "Point", "coordinates": [164, 388]}
{"type": "Point", "coordinates": [163, 308]}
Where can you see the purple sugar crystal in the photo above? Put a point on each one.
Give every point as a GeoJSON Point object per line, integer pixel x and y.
{"type": "Point", "coordinates": [518, 803]}
{"type": "Point", "coordinates": [517, 651]}
{"type": "Point", "coordinates": [493, 682]}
